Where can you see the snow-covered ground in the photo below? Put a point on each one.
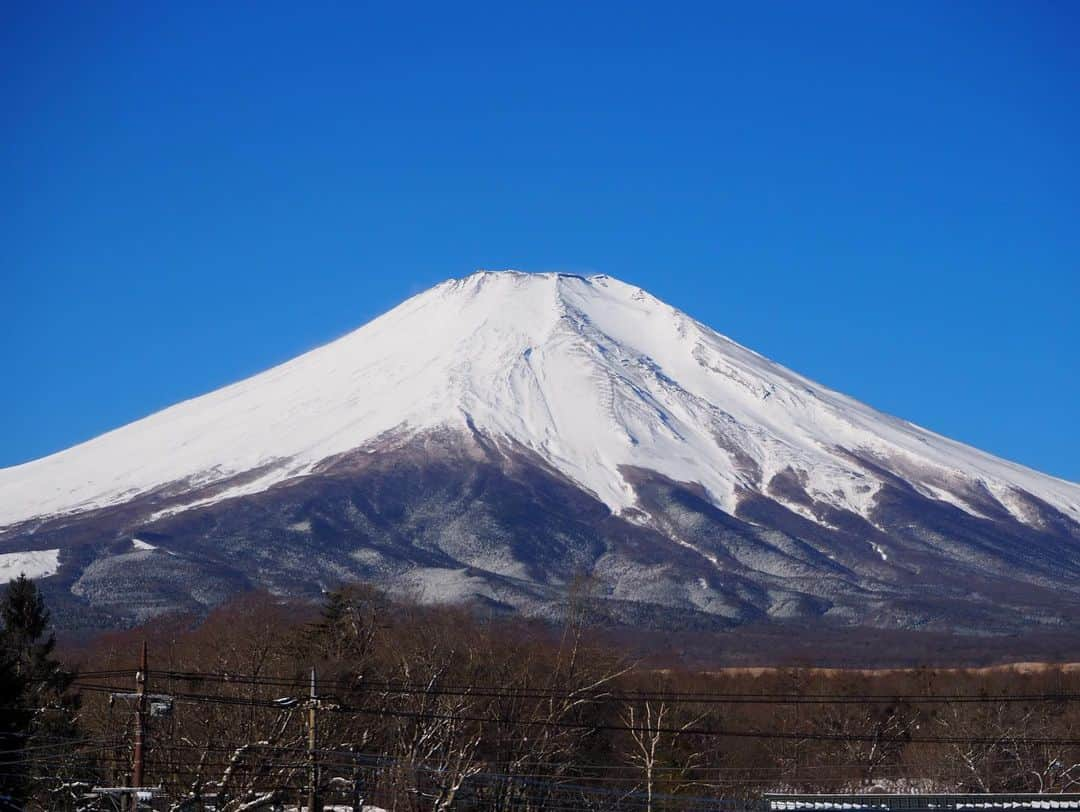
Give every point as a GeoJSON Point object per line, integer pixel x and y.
{"type": "Point", "coordinates": [807, 804]}
{"type": "Point", "coordinates": [337, 808]}
{"type": "Point", "coordinates": [590, 373]}
{"type": "Point", "coordinates": [32, 564]}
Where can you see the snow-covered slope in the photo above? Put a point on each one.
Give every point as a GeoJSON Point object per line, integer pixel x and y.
{"type": "Point", "coordinates": [34, 564]}
{"type": "Point", "coordinates": [590, 373]}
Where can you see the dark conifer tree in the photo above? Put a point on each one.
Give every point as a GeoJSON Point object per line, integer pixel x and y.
{"type": "Point", "coordinates": [14, 729]}
{"type": "Point", "coordinates": [26, 636]}
{"type": "Point", "coordinates": [32, 685]}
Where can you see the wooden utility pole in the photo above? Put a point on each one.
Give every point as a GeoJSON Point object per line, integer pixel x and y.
{"type": "Point", "coordinates": [146, 706]}
{"type": "Point", "coordinates": [130, 800]}
{"type": "Point", "coordinates": [140, 723]}
{"type": "Point", "coordinates": [314, 803]}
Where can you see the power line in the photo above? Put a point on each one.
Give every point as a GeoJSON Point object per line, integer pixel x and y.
{"type": "Point", "coordinates": [488, 691]}
{"type": "Point", "coordinates": [612, 727]}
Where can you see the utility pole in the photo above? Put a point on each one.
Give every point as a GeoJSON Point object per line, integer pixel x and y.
{"type": "Point", "coordinates": [358, 788]}
{"type": "Point", "coordinates": [146, 705]}
{"type": "Point", "coordinates": [314, 803]}
{"type": "Point", "coordinates": [140, 725]}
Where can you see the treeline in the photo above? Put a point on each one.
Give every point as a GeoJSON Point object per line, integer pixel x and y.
{"type": "Point", "coordinates": [435, 708]}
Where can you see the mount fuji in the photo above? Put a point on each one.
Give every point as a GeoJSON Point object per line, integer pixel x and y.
{"type": "Point", "coordinates": [497, 437]}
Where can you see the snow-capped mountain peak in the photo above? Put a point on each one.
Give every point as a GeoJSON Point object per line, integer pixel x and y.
{"type": "Point", "coordinates": [593, 375]}
{"type": "Point", "coordinates": [497, 436]}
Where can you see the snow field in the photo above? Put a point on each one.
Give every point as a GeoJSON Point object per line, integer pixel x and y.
{"type": "Point", "coordinates": [590, 373]}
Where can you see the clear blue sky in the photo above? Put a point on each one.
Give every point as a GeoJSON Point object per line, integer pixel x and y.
{"type": "Point", "coordinates": [885, 197]}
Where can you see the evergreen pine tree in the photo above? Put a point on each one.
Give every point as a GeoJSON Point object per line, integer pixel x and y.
{"type": "Point", "coordinates": [26, 635]}
{"type": "Point", "coordinates": [14, 729]}
{"type": "Point", "coordinates": [32, 683]}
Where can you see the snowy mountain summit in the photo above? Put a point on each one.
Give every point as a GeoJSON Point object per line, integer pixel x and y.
{"type": "Point", "coordinates": [496, 435]}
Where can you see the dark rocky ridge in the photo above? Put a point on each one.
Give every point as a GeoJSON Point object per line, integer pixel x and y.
{"type": "Point", "coordinates": [449, 516]}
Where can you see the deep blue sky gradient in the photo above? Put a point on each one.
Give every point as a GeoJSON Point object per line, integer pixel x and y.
{"type": "Point", "coordinates": [884, 197]}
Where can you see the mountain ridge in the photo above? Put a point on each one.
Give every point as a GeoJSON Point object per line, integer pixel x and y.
{"type": "Point", "coordinates": [560, 319]}
{"type": "Point", "coordinates": [695, 478]}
